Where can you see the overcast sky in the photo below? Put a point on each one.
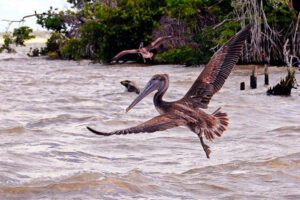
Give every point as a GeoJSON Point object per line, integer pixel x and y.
{"type": "Point", "coordinates": [16, 9]}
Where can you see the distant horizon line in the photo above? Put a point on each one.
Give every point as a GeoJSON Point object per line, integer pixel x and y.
{"type": "Point", "coordinates": [35, 31]}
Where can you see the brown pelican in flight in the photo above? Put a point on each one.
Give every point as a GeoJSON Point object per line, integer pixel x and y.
{"type": "Point", "coordinates": [145, 52]}
{"type": "Point", "coordinates": [186, 111]}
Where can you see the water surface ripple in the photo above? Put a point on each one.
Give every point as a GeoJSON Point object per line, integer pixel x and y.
{"type": "Point", "coordinates": [47, 153]}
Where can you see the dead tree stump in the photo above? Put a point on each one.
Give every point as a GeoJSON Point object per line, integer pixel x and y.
{"type": "Point", "coordinates": [253, 77]}
{"type": "Point", "coordinates": [242, 86]}
{"type": "Point", "coordinates": [266, 75]}
{"type": "Point", "coordinates": [285, 86]}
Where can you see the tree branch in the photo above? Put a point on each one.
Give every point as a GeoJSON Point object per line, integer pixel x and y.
{"type": "Point", "coordinates": [218, 2]}
{"type": "Point", "coordinates": [27, 16]}
{"type": "Point", "coordinates": [220, 24]}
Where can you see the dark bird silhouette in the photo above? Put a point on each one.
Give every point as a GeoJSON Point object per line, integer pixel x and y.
{"type": "Point", "coordinates": [145, 52]}
{"type": "Point", "coordinates": [131, 86]}
{"type": "Point", "coordinates": [186, 111]}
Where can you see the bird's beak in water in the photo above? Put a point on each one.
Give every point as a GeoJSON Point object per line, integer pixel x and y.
{"type": "Point", "coordinates": [150, 87]}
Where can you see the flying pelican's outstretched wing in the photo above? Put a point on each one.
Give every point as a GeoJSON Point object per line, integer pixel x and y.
{"type": "Point", "coordinates": [159, 123]}
{"type": "Point", "coordinates": [158, 42]}
{"type": "Point", "coordinates": [217, 70]}
{"type": "Point", "coordinates": [123, 53]}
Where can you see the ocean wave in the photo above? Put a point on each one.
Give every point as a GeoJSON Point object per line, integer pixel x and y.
{"type": "Point", "coordinates": [17, 129]}
{"type": "Point", "coordinates": [287, 129]}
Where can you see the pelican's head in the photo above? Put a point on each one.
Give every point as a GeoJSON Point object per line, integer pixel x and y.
{"type": "Point", "coordinates": [157, 82]}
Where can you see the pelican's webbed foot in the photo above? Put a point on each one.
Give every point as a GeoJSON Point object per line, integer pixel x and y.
{"type": "Point", "coordinates": [205, 147]}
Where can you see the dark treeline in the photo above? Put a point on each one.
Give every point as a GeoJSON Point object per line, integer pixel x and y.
{"type": "Point", "coordinates": [99, 29]}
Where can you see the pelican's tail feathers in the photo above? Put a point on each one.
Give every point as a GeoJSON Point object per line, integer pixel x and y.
{"type": "Point", "coordinates": [222, 122]}
{"type": "Point", "coordinates": [221, 125]}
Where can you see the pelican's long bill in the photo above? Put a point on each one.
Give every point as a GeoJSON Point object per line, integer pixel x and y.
{"type": "Point", "coordinates": [152, 85]}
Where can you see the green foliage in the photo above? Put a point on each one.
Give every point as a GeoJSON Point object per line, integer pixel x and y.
{"type": "Point", "coordinates": [72, 49]}
{"type": "Point", "coordinates": [7, 42]}
{"type": "Point", "coordinates": [125, 26]}
{"type": "Point", "coordinates": [183, 55]}
{"type": "Point", "coordinates": [119, 28]}
{"type": "Point", "coordinates": [19, 36]}
{"type": "Point", "coordinates": [278, 14]}
{"type": "Point", "coordinates": [92, 35]}
{"type": "Point", "coordinates": [225, 32]}
{"type": "Point", "coordinates": [33, 52]}
{"type": "Point", "coordinates": [206, 41]}
{"type": "Point", "coordinates": [22, 34]}
{"type": "Point", "coordinates": [52, 21]}
{"type": "Point", "coordinates": [107, 30]}
{"type": "Point", "coordinates": [210, 40]}
{"type": "Point", "coordinates": [53, 45]}
{"type": "Point", "coordinates": [221, 9]}
{"type": "Point", "coordinates": [186, 10]}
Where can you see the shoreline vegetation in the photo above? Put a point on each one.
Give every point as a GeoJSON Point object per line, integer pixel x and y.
{"type": "Point", "coordinates": [41, 37]}
{"type": "Point", "coordinates": [100, 29]}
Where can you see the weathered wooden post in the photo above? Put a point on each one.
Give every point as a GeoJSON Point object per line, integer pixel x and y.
{"type": "Point", "coordinates": [253, 77]}
{"type": "Point", "coordinates": [266, 74]}
{"type": "Point", "coordinates": [242, 86]}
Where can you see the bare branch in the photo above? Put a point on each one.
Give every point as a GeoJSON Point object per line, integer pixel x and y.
{"type": "Point", "coordinates": [218, 2]}
{"type": "Point", "coordinates": [295, 34]}
{"type": "Point", "coordinates": [27, 16]}
{"type": "Point", "coordinates": [288, 58]}
{"type": "Point", "coordinates": [220, 24]}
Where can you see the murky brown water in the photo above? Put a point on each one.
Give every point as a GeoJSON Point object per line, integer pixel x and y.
{"type": "Point", "coordinates": [47, 153]}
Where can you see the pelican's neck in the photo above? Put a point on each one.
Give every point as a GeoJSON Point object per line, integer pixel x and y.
{"type": "Point", "coordinates": [157, 99]}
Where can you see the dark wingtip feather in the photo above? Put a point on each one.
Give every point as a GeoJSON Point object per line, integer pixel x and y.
{"type": "Point", "coordinates": [97, 132]}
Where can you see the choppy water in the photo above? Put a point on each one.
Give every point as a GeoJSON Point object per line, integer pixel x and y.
{"type": "Point", "coordinates": [47, 153]}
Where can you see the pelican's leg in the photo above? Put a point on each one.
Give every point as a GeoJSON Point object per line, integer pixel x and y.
{"type": "Point", "coordinates": [205, 147]}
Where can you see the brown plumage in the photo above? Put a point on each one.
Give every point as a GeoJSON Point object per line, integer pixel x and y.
{"type": "Point", "coordinates": [186, 111]}
{"type": "Point", "coordinates": [143, 51]}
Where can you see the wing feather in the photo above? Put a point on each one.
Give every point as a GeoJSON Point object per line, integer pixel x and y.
{"type": "Point", "coordinates": [159, 123]}
{"type": "Point", "coordinates": [158, 41]}
{"type": "Point", "coordinates": [123, 53]}
{"type": "Point", "coordinates": [217, 70]}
